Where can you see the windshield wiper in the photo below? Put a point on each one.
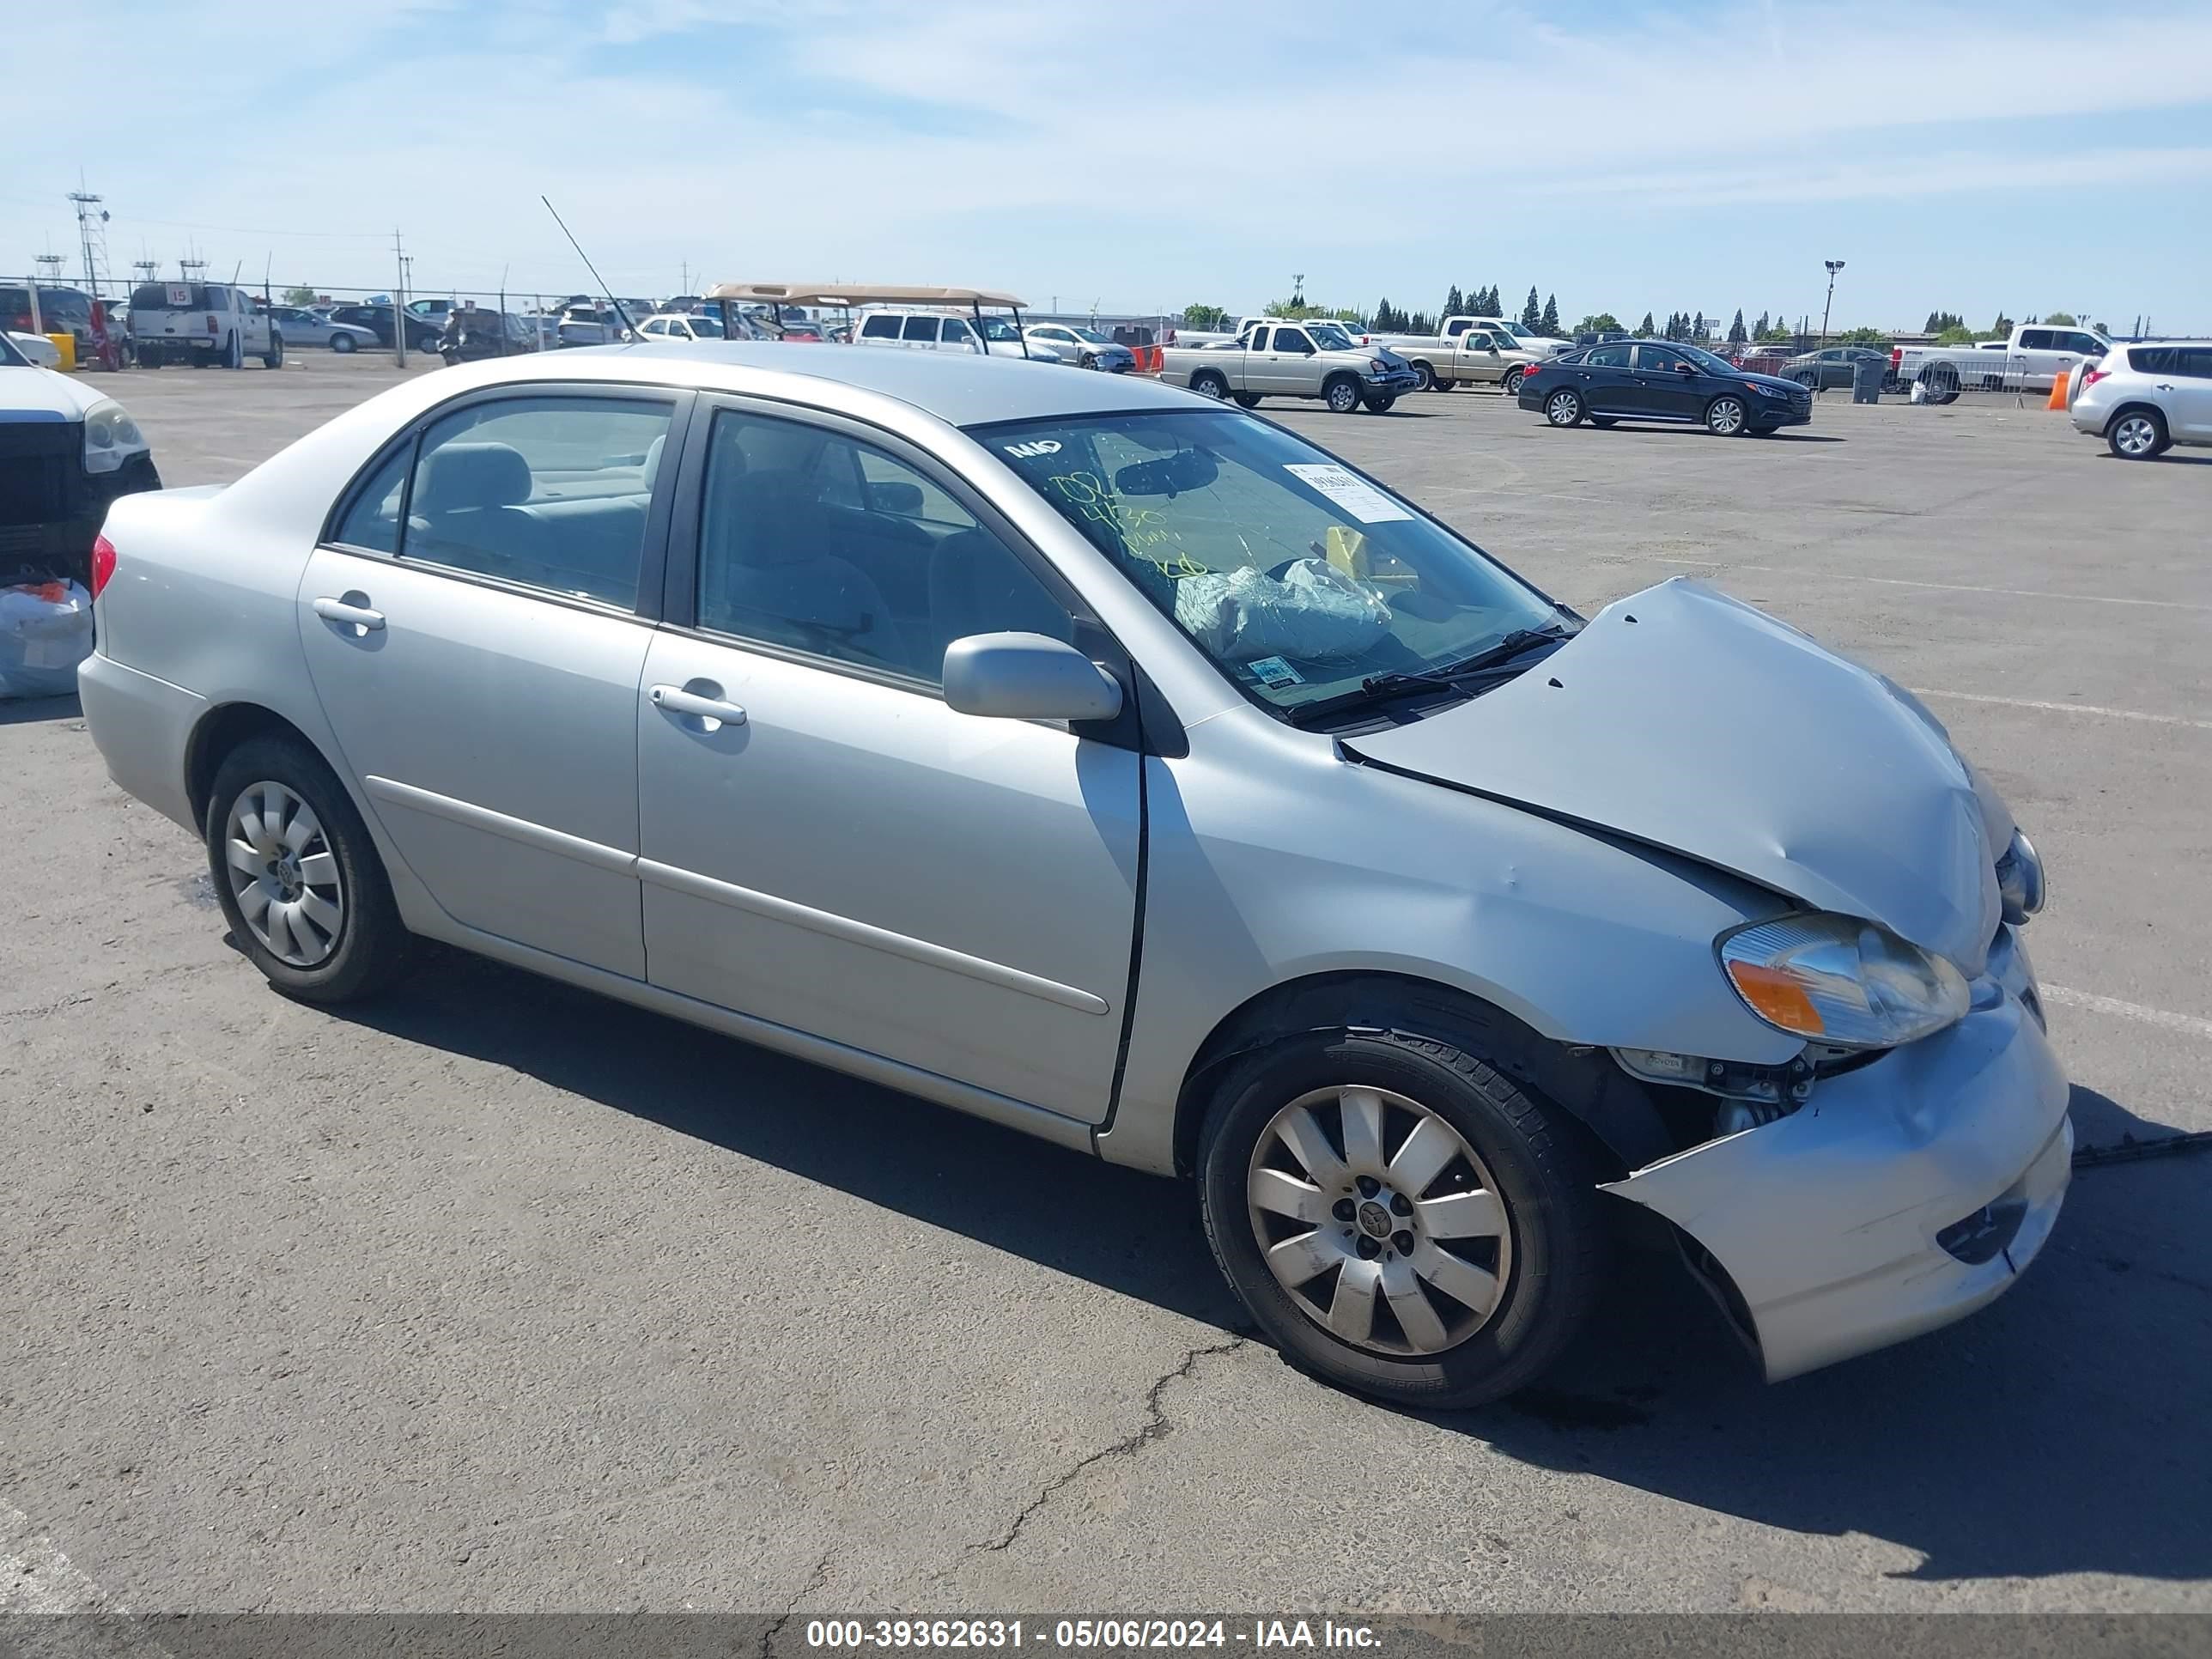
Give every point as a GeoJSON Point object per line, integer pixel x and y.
{"type": "Point", "coordinates": [1454, 678]}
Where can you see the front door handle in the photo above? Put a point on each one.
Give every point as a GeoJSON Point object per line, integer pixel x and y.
{"type": "Point", "coordinates": [677, 701]}
{"type": "Point", "coordinates": [359, 616]}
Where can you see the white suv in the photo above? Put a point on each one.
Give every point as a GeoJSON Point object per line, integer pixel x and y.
{"type": "Point", "coordinates": [2144, 399]}
{"type": "Point", "coordinates": [935, 331]}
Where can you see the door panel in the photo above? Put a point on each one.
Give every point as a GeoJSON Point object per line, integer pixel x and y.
{"type": "Point", "coordinates": [1608, 385]}
{"type": "Point", "coordinates": [858, 862]}
{"type": "Point", "coordinates": [495, 736]}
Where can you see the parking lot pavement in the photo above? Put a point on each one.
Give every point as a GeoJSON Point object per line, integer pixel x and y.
{"type": "Point", "coordinates": [494, 1296]}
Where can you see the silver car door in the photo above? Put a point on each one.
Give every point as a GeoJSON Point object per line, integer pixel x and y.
{"type": "Point", "coordinates": [481, 670]}
{"type": "Point", "coordinates": [826, 845]}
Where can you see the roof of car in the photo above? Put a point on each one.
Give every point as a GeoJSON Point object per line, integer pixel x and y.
{"type": "Point", "coordinates": [957, 387]}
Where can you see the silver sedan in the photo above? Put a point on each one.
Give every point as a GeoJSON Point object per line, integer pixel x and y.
{"type": "Point", "coordinates": [1120, 767]}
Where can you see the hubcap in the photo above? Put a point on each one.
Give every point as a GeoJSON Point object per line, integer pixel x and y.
{"type": "Point", "coordinates": [1562, 409]}
{"type": "Point", "coordinates": [1210, 388]}
{"type": "Point", "coordinates": [1727, 415]}
{"type": "Point", "coordinates": [2136, 434]}
{"type": "Point", "coordinates": [1342, 399]}
{"type": "Point", "coordinates": [284, 874]}
{"type": "Point", "coordinates": [1377, 1217]}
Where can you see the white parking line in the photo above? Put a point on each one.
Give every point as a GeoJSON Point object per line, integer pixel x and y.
{"type": "Point", "coordinates": [2067, 708]}
{"type": "Point", "coordinates": [36, 1576]}
{"type": "Point", "coordinates": [1947, 587]}
{"type": "Point", "coordinates": [2187, 1024]}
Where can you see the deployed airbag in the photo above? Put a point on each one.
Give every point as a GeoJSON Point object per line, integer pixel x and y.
{"type": "Point", "coordinates": [1314, 611]}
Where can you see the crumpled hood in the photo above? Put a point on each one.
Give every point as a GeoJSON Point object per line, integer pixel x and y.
{"type": "Point", "coordinates": [1686, 720]}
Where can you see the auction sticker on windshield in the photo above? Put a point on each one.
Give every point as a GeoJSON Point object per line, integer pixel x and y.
{"type": "Point", "coordinates": [1355, 495]}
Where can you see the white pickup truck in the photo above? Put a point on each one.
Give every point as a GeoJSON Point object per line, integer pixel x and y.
{"type": "Point", "coordinates": [1482, 353]}
{"type": "Point", "coordinates": [1424, 348]}
{"type": "Point", "coordinates": [1273, 359]}
{"type": "Point", "coordinates": [2035, 355]}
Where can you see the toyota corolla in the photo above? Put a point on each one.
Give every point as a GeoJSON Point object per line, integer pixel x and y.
{"type": "Point", "coordinates": [1120, 768]}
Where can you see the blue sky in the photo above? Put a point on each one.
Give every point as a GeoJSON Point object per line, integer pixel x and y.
{"type": "Point", "coordinates": [1692, 157]}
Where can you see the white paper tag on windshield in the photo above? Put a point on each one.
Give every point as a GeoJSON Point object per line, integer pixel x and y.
{"type": "Point", "coordinates": [1273, 671]}
{"type": "Point", "coordinates": [1355, 495]}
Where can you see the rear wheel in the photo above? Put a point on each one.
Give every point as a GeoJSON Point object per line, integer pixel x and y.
{"type": "Point", "coordinates": [2138, 435]}
{"type": "Point", "coordinates": [1341, 395]}
{"type": "Point", "coordinates": [1400, 1217]}
{"type": "Point", "coordinates": [1247, 400]}
{"type": "Point", "coordinates": [1426, 377]}
{"type": "Point", "coordinates": [1725, 416]}
{"type": "Point", "coordinates": [148, 357]}
{"type": "Point", "coordinates": [273, 357]}
{"type": "Point", "coordinates": [234, 353]}
{"type": "Point", "coordinates": [1209, 385]}
{"type": "Point", "coordinates": [297, 876]}
{"type": "Point", "coordinates": [1511, 384]}
{"type": "Point", "coordinates": [1563, 407]}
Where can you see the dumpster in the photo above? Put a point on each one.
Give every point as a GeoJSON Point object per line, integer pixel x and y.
{"type": "Point", "coordinates": [1866, 379]}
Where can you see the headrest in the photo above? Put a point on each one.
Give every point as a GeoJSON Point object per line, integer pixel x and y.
{"type": "Point", "coordinates": [653, 459]}
{"type": "Point", "coordinates": [775, 519]}
{"type": "Point", "coordinates": [456, 476]}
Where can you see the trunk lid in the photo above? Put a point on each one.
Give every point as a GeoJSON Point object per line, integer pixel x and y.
{"type": "Point", "coordinates": [1690, 721]}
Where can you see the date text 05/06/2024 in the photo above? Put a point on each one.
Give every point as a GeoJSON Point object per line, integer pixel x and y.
{"type": "Point", "coordinates": [1084, 1635]}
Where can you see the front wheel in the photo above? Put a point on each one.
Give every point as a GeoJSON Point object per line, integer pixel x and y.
{"type": "Point", "coordinates": [273, 357]}
{"type": "Point", "coordinates": [1088, 360]}
{"type": "Point", "coordinates": [2137, 435]}
{"type": "Point", "coordinates": [1247, 400]}
{"type": "Point", "coordinates": [233, 353]}
{"type": "Point", "coordinates": [1511, 384]}
{"type": "Point", "coordinates": [1603, 420]}
{"type": "Point", "coordinates": [1378, 406]}
{"type": "Point", "coordinates": [1563, 407]}
{"type": "Point", "coordinates": [342, 342]}
{"type": "Point", "coordinates": [1342, 396]}
{"type": "Point", "coordinates": [297, 876]}
{"type": "Point", "coordinates": [1400, 1217]}
{"type": "Point", "coordinates": [1725, 416]}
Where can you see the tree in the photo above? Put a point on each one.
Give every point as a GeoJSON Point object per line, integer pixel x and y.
{"type": "Point", "coordinates": [1865, 336]}
{"type": "Point", "coordinates": [2001, 329]}
{"type": "Point", "coordinates": [1206, 319]}
{"type": "Point", "coordinates": [299, 296]}
{"type": "Point", "coordinates": [1531, 314]}
{"type": "Point", "coordinates": [1455, 301]}
{"type": "Point", "coordinates": [1697, 326]}
{"type": "Point", "coordinates": [1775, 334]}
{"type": "Point", "coordinates": [1958, 334]}
{"type": "Point", "coordinates": [1549, 322]}
{"type": "Point", "coordinates": [1603, 322]}
{"type": "Point", "coordinates": [1940, 320]}
{"type": "Point", "coordinates": [1735, 334]}
{"type": "Point", "coordinates": [1421, 323]}
{"type": "Point", "coordinates": [2062, 319]}
{"type": "Point", "coordinates": [1644, 329]}
{"type": "Point", "coordinates": [1492, 305]}
{"type": "Point", "coordinates": [1759, 328]}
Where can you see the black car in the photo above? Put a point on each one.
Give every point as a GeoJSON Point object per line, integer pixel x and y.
{"type": "Point", "coordinates": [1661, 380]}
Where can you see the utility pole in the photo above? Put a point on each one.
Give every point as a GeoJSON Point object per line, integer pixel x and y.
{"type": "Point", "coordinates": [1297, 287]}
{"type": "Point", "coordinates": [399, 305]}
{"type": "Point", "coordinates": [1834, 265]}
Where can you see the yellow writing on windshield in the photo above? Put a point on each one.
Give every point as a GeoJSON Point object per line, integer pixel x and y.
{"type": "Point", "coordinates": [1140, 527]}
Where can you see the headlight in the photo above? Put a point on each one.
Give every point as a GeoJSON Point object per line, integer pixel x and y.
{"type": "Point", "coordinates": [1766, 390]}
{"type": "Point", "coordinates": [2019, 879]}
{"type": "Point", "coordinates": [1839, 980]}
{"type": "Point", "coordinates": [111, 436]}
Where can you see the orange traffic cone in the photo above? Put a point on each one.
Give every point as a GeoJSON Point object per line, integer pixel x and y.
{"type": "Point", "coordinates": [2060, 384]}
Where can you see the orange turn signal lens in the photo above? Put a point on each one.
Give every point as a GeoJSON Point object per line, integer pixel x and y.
{"type": "Point", "coordinates": [1777, 997]}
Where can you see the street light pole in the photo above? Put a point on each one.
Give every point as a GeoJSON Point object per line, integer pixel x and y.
{"type": "Point", "coordinates": [1834, 265]}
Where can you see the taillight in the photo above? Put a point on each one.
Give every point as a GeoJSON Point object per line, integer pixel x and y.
{"type": "Point", "coordinates": [213, 326]}
{"type": "Point", "coordinates": [103, 563]}
{"type": "Point", "coordinates": [1529, 372]}
{"type": "Point", "coordinates": [1896, 355]}
{"type": "Point", "coordinates": [2093, 374]}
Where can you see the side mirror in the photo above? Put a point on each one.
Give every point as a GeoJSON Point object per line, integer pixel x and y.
{"type": "Point", "coordinates": [1027, 677]}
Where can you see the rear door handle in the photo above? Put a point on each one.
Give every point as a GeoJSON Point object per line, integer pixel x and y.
{"type": "Point", "coordinates": [359, 616]}
{"type": "Point", "coordinates": [677, 701]}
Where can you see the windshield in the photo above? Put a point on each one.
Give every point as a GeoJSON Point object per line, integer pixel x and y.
{"type": "Point", "coordinates": [1296, 576]}
{"type": "Point", "coordinates": [1514, 329]}
{"type": "Point", "coordinates": [998, 328]}
{"type": "Point", "coordinates": [1330, 337]}
{"type": "Point", "coordinates": [1091, 336]}
{"type": "Point", "coordinates": [10, 357]}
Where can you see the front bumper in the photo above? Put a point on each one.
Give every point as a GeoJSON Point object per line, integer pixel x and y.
{"type": "Point", "coordinates": [1825, 1226]}
{"type": "Point", "coordinates": [1775, 411]}
{"type": "Point", "coordinates": [1392, 385]}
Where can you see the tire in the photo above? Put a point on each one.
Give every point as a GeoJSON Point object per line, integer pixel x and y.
{"type": "Point", "coordinates": [1428, 377]}
{"type": "Point", "coordinates": [1247, 400]}
{"type": "Point", "coordinates": [1511, 386]}
{"type": "Point", "coordinates": [2136, 434]}
{"type": "Point", "coordinates": [1378, 406]}
{"type": "Point", "coordinates": [1563, 408]}
{"type": "Point", "coordinates": [273, 357]}
{"type": "Point", "coordinates": [343, 344]}
{"type": "Point", "coordinates": [1763, 431]}
{"type": "Point", "coordinates": [148, 357]}
{"type": "Point", "coordinates": [366, 946]}
{"type": "Point", "coordinates": [1341, 395]}
{"type": "Point", "coordinates": [1535, 1253]}
{"type": "Point", "coordinates": [233, 352]}
{"type": "Point", "coordinates": [1209, 383]}
{"type": "Point", "coordinates": [1603, 420]}
{"type": "Point", "coordinates": [1727, 416]}
{"type": "Point", "coordinates": [1088, 360]}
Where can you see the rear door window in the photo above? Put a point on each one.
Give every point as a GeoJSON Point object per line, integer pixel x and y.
{"type": "Point", "coordinates": [920, 328]}
{"type": "Point", "coordinates": [881, 327]}
{"type": "Point", "coordinates": [2038, 339]}
{"type": "Point", "coordinates": [1608, 356]}
{"type": "Point", "coordinates": [548, 492]}
{"type": "Point", "coordinates": [1657, 359]}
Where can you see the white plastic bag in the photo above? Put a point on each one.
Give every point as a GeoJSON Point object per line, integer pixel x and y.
{"type": "Point", "coordinates": [45, 631]}
{"type": "Point", "coordinates": [1315, 611]}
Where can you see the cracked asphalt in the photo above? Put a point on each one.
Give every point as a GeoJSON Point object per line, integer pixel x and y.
{"type": "Point", "coordinates": [495, 1297]}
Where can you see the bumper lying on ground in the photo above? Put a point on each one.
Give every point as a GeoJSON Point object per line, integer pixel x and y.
{"type": "Point", "coordinates": [1901, 1196]}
